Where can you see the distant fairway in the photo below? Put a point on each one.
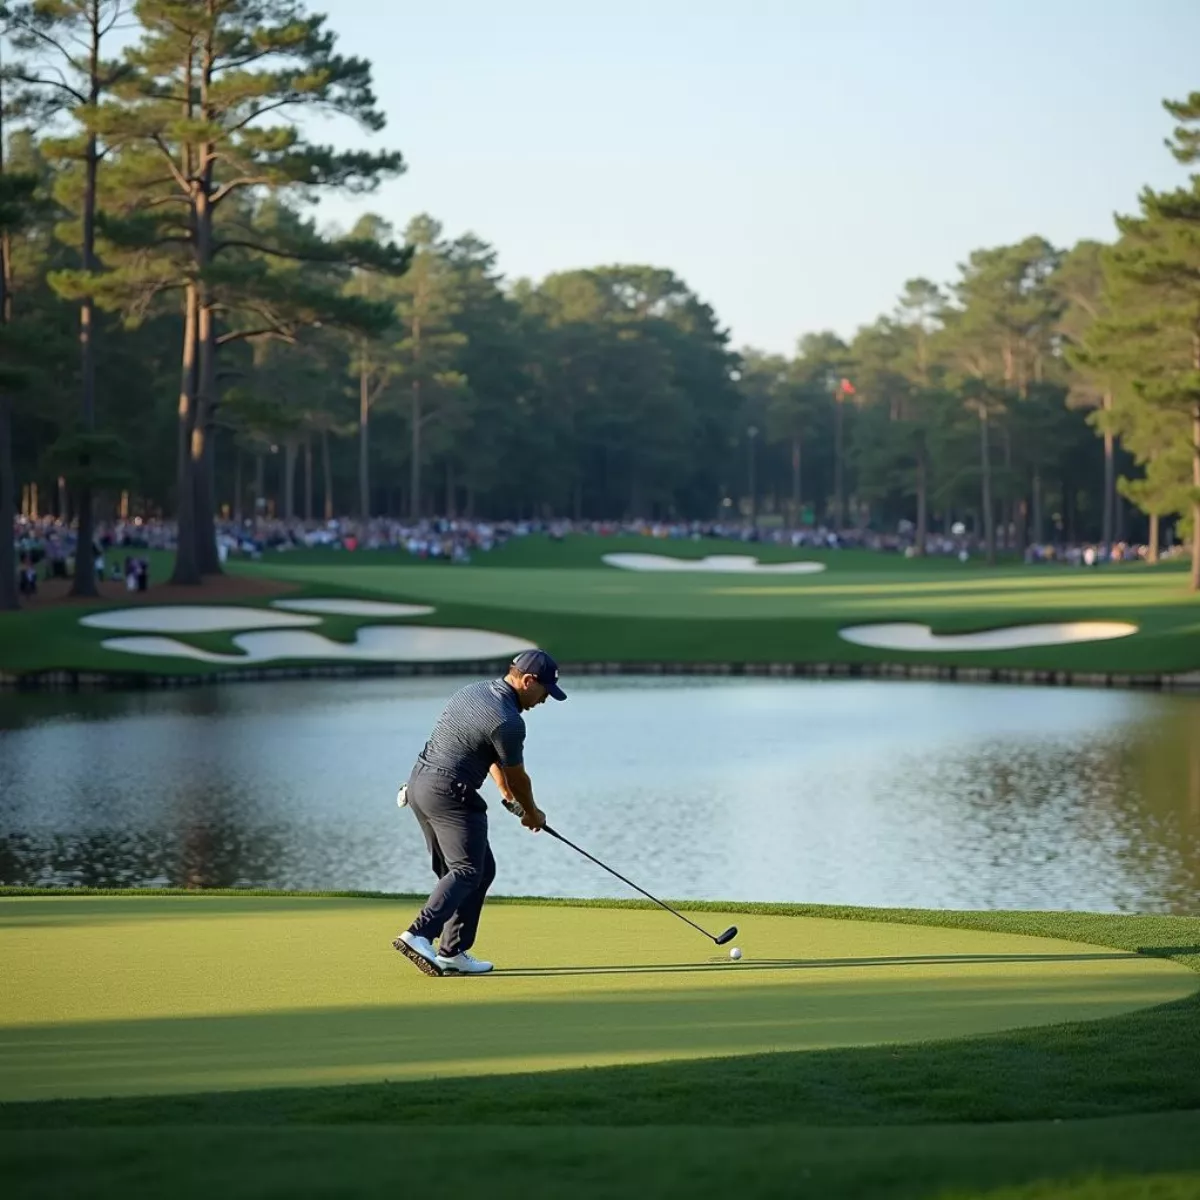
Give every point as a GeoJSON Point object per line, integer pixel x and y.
{"type": "Point", "coordinates": [564, 597]}
{"type": "Point", "coordinates": [184, 994]}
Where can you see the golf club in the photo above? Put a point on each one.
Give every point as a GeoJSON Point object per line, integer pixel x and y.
{"type": "Point", "coordinates": [720, 939]}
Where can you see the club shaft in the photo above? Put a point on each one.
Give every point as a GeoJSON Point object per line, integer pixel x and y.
{"type": "Point", "coordinates": [662, 904]}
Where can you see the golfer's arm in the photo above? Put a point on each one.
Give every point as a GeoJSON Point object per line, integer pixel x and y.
{"type": "Point", "coordinates": [497, 773]}
{"type": "Point", "coordinates": [514, 782]}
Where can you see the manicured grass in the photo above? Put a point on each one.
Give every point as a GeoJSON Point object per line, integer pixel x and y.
{"type": "Point", "coordinates": [1051, 1109]}
{"type": "Point", "coordinates": [585, 611]}
{"type": "Point", "coordinates": [604, 614]}
{"type": "Point", "coordinates": [1131, 1158]}
{"type": "Point", "coordinates": [192, 993]}
{"type": "Point", "coordinates": [537, 551]}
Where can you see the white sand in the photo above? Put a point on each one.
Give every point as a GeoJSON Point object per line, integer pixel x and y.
{"type": "Point", "coordinates": [903, 636]}
{"type": "Point", "coordinates": [194, 618]}
{"type": "Point", "coordinates": [384, 643]}
{"type": "Point", "coordinates": [354, 608]}
{"type": "Point", "coordinates": [744, 564]}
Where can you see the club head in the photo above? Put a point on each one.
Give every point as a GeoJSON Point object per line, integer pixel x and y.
{"type": "Point", "coordinates": [727, 936]}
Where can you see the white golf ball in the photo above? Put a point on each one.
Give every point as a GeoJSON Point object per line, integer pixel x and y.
{"type": "Point", "coordinates": [735, 953]}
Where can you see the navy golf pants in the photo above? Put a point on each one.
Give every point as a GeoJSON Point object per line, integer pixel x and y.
{"type": "Point", "coordinates": [453, 819]}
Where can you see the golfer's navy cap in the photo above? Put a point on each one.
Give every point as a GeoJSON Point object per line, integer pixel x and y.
{"type": "Point", "coordinates": [543, 668]}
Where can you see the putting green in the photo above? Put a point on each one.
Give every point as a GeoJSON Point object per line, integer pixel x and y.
{"type": "Point", "coordinates": [143, 995]}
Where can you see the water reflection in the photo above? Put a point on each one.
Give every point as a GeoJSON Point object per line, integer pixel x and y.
{"type": "Point", "coordinates": [842, 792]}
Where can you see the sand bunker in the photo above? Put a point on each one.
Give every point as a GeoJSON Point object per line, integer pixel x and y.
{"type": "Point", "coordinates": [904, 636]}
{"type": "Point", "coordinates": [354, 608]}
{"type": "Point", "coordinates": [380, 643]}
{"type": "Point", "coordinates": [194, 618]}
{"type": "Point", "coordinates": [744, 564]}
{"type": "Point", "coordinates": [276, 635]}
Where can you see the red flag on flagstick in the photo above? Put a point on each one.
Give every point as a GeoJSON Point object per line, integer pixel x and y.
{"type": "Point", "coordinates": [847, 388]}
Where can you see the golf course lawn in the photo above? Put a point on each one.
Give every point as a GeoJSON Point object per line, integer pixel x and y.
{"type": "Point", "coordinates": [197, 993]}
{"type": "Point", "coordinates": [875, 1052]}
{"type": "Point", "coordinates": [564, 597]}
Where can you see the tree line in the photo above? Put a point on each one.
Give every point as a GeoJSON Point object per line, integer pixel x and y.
{"type": "Point", "coordinates": [178, 335]}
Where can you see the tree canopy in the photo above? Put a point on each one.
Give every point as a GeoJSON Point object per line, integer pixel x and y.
{"type": "Point", "coordinates": [155, 208]}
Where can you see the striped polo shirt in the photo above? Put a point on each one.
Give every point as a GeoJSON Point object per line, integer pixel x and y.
{"type": "Point", "coordinates": [480, 725]}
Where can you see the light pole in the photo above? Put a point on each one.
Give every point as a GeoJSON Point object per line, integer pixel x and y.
{"type": "Point", "coordinates": [840, 388]}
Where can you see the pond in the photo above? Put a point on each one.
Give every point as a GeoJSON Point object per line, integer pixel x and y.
{"type": "Point", "coordinates": [855, 792]}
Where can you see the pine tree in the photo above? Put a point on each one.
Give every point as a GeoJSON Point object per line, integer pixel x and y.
{"type": "Point", "coordinates": [1153, 334]}
{"type": "Point", "coordinates": [427, 351]}
{"type": "Point", "coordinates": [207, 74]}
{"type": "Point", "coordinates": [64, 42]}
{"type": "Point", "coordinates": [16, 191]}
{"type": "Point", "coordinates": [1079, 281]}
{"type": "Point", "coordinates": [374, 360]}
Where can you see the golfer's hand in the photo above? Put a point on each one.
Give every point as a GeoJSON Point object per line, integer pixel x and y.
{"type": "Point", "coordinates": [533, 820]}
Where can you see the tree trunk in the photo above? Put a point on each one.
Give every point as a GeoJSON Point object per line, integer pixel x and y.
{"type": "Point", "coordinates": [260, 488]}
{"type": "Point", "coordinates": [237, 485]}
{"type": "Point", "coordinates": [187, 566]}
{"type": "Point", "coordinates": [364, 414]}
{"type": "Point", "coordinates": [1110, 484]}
{"type": "Point", "coordinates": [450, 490]}
{"type": "Point", "coordinates": [415, 465]}
{"type": "Point", "coordinates": [922, 504]}
{"type": "Point", "coordinates": [985, 463]}
{"type": "Point", "coordinates": [1153, 549]}
{"type": "Point", "coordinates": [1196, 484]}
{"type": "Point", "coordinates": [326, 476]}
{"type": "Point", "coordinates": [206, 465]}
{"type": "Point", "coordinates": [839, 500]}
{"type": "Point", "coordinates": [8, 483]}
{"type": "Point", "coordinates": [1196, 468]}
{"type": "Point", "coordinates": [796, 452]}
{"type": "Point", "coordinates": [289, 478]}
{"type": "Point", "coordinates": [1008, 505]}
{"type": "Point", "coordinates": [308, 479]}
{"type": "Point", "coordinates": [1038, 522]}
{"type": "Point", "coordinates": [84, 583]}
{"type": "Point", "coordinates": [753, 482]}
{"type": "Point", "coordinates": [8, 551]}
{"type": "Point", "coordinates": [204, 445]}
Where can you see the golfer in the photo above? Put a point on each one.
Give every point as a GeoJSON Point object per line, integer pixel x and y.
{"type": "Point", "coordinates": [481, 732]}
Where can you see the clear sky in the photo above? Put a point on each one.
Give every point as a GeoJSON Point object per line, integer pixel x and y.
{"type": "Point", "coordinates": [794, 161]}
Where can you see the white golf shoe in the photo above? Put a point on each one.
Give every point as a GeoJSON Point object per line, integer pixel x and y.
{"type": "Point", "coordinates": [419, 952]}
{"type": "Point", "coordinates": [463, 964]}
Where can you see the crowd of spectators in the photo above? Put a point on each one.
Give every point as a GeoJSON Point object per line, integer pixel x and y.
{"type": "Point", "coordinates": [46, 547]}
{"type": "Point", "coordinates": [1088, 555]}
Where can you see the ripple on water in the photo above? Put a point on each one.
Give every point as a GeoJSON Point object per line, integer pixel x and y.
{"type": "Point", "coordinates": [862, 792]}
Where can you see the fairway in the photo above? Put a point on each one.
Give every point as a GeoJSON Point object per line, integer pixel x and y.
{"type": "Point", "coordinates": [841, 592]}
{"type": "Point", "coordinates": [143, 995]}
{"type": "Point", "coordinates": [586, 611]}
{"type": "Point", "coordinates": [564, 598]}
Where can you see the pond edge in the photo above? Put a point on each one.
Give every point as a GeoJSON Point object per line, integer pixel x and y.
{"type": "Point", "coordinates": [81, 680]}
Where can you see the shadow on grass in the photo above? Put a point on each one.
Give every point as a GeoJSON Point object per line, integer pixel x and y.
{"type": "Point", "coordinates": [808, 964]}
